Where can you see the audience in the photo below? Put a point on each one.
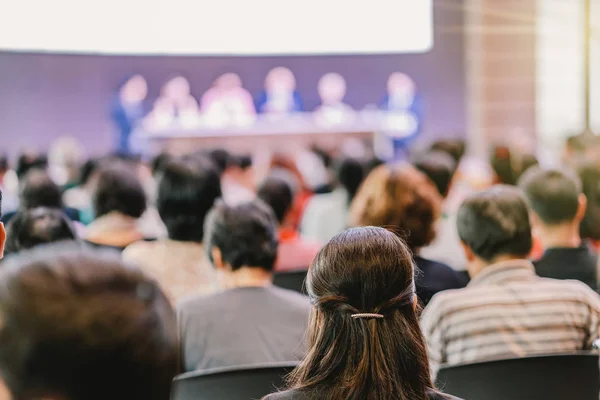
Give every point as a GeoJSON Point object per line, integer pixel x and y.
{"type": "Point", "coordinates": [79, 325]}
{"type": "Point", "coordinates": [403, 200]}
{"type": "Point", "coordinates": [506, 310]}
{"type": "Point", "coordinates": [118, 200]}
{"type": "Point", "coordinates": [238, 179]}
{"type": "Point", "coordinates": [294, 252]}
{"type": "Point", "coordinates": [2, 230]}
{"type": "Point", "coordinates": [557, 207]}
{"type": "Point", "coordinates": [80, 195]}
{"type": "Point", "coordinates": [250, 321]}
{"type": "Point", "coordinates": [440, 167]}
{"type": "Point", "coordinates": [30, 228]}
{"type": "Point", "coordinates": [326, 215]}
{"type": "Point", "coordinates": [187, 189]}
{"type": "Point", "coordinates": [364, 337]}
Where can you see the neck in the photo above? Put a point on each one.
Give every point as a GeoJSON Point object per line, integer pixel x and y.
{"type": "Point", "coordinates": [246, 277]}
{"type": "Point", "coordinates": [563, 235]}
{"type": "Point", "coordinates": [477, 265]}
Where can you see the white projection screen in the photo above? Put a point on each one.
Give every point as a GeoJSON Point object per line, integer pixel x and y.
{"type": "Point", "coordinates": [217, 27]}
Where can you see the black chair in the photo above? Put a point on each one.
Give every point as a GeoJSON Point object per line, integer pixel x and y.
{"type": "Point", "coordinates": [237, 383]}
{"type": "Point", "coordinates": [292, 280]}
{"type": "Point", "coordinates": [549, 377]}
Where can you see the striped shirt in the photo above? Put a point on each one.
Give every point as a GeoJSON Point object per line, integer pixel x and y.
{"type": "Point", "coordinates": [508, 311]}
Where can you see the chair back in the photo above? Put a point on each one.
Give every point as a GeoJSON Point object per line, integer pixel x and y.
{"type": "Point", "coordinates": [236, 383]}
{"type": "Point", "coordinates": [292, 280]}
{"type": "Point", "coordinates": [548, 377]}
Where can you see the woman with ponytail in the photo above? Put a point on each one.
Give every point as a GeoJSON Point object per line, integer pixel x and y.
{"type": "Point", "coordinates": [364, 337]}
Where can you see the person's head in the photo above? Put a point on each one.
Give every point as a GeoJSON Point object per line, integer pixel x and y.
{"type": "Point", "coordinates": [400, 198]}
{"type": "Point", "coordinates": [29, 160]}
{"type": "Point", "coordinates": [332, 88]}
{"type": "Point", "coordinates": [30, 228]}
{"type": "Point", "coordinates": [119, 190]}
{"type": "Point", "coordinates": [589, 174]}
{"type": "Point", "coordinates": [228, 81]}
{"type": "Point", "coordinates": [278, 194]}
{"type": "Point", "coordinates": [400, 84]}
{"type": "Point", "coordinates": [554, 197]}
{"type": "Point", "coordinates": [350, 174]}
{"type": "Point", "coordinates": [187, 189]}
{"type": "Point", "coordinates": [4, 164]}
{"type": "Point", "coordinates": [134, 90]}
{"type": "Point", "coordinates": [242, 236]}
{"type": "Point", "coordinates": [454, 147]}
{"type": "Point", "coordinates": [79, 325]}
{"type": "Point", "coordinates": [240, 169]}
{"type": "Point", "coordinates": [280, 80]}
{"type": "Point", "coordinates": [220, 157]}
{"type": "Point", "coordinates": [39, 190]}
{"type": "Point", "coordinates": [439, 168]}
{"type": "Point", "coordinates": [493, 226]}
{"type": "Point", "coordinates": [364, 271]}
{"type": "Point", "coordinates": [176, 89]}
{"type": "Point", "coordinates": [88, 169]}
{"type": "Point", "coordinates": [509, 164]}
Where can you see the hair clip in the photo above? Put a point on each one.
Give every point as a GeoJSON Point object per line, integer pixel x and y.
{"type": "Point", "coordinates": [367, 316]}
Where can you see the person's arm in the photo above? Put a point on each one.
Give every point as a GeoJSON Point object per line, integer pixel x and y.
{"type": "Point", "coordinates": [593, 324]}
{"type": "Point", "coordinates": [433, 335]}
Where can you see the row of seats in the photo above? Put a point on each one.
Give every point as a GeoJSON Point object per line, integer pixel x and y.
{"type": "Point", "coordinates": [552, 377]}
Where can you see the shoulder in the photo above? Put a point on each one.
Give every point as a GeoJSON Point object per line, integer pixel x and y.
{"type": "Point", "coordinates": [431, 395]}
{"type": "Point", "coordinates": [137, 251]}
{"type": "Point", "coordinates": [290, 296]}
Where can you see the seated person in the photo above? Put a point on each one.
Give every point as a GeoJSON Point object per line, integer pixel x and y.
{"type": "Point", "coordinates": [402, 199]}
{"type": "Point", "coordinates": [333, 110]}
{"type": "Point", "coordinates": [294, 252]}
{"type": "Point", "coordinates": [82, 326]}
{"type": "Point", "coordinates": [506, 311]}
{"type": "Point", "coordinates": [589, 173]}
{"type": "Point", "coordinates": [440, 168]}
{"type": "Point", "coordinates": [250, 321]}
{"type": "Point", "coordinates": [30, 228]}
{"type": "Point", "coordinates": [280, 95]}
{"type": "Point", "coordinates": [227, 103]}
{"type": "Point", "coordinates": [119, 201]}
{"type": "Point", "coordinates": [187, 189]}
{"type": "Point", "coordinates": [2, 230]}
{"type": "Point", "coordinates": [557, 207]}
{"type": "Point", "coordinates": [38, 190]}
{"type": "Point", "coordinates": [365, 341]}
{"type": "Point", "coordinates": [238, 181]}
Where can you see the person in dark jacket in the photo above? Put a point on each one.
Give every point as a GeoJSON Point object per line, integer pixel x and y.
{"type": "Point", "coordinates": [128, 109]}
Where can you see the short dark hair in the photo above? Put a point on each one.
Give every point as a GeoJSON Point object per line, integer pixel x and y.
{"type": "Point", "coordinates": [453, 147]}
{"type": "Point", "coordinates": [187, 189]}
{"type": "Point", "coordinates": [439, 168]}
{"type": "Point", "coordinates": [509, 165]}
{"type": "Point", "coordinates": [28, 161]}
{"type": "Point", "coordinates": [350, 175]}
{"type": "Point", "coordinates": [87, 170]}
{"type": "Point", "coordinates": [4, 165]}
{"type": "Point", "coordinates": [246, 234]}
{"type": "Point", "coordinates": [495, 222]}
{"type": "Point", "coordinates": [118, 189]}
{"type": "Point", "coordinates": [80, 325]}
{"type": "Point", "coordinates": [552, 194]}
{"type": "Point", "coordinates": [39, 190]}
{"type": "Point", "coordinates": [278, 194]}
{"type": "Point", "coordinates": [221, 158]}
{"type": "Point", "coordinates": [29, 228]}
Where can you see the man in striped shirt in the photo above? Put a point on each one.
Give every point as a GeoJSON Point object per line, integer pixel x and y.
{"type": "Point", "coordinates": [506, 310]}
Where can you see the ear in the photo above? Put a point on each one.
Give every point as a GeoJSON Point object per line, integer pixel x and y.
{"type": "Point", "coordinates": [581, 207]}
{"type": "Point", "coordinates": [2, 239]}
{"type": "Point", "coordinates": [217, 258]}
{"type": "Point", "coordinates": [469, 255]}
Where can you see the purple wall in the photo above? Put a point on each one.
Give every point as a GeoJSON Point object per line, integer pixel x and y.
{"type": "Point", "coordinates": [43, 96]}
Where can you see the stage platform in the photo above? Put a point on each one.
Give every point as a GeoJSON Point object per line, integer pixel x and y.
{"type": "Point", "coordinates": [270, 134]}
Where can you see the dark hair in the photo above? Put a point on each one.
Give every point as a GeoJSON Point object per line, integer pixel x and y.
{"type": "Point", "coordinates": [495, 222]}
{"type": "Point", "coordinates": [118, 189]}
{"type": "Point", "coordinates": [509, 165]}
{"type": "Point", "coordinates": [159, 162]}
{"type": "Point", "coordinates": [38, 190]}
{"type": "Point", "coordinates": [363, 270]}
{"type": "Point", "coordinates": [87, 170]}
{"type": "Point", "coordinates": [246, 234]}
{"type": "Point", "coordinates": [400, 198]}
{"type": "Point", "coordinates": [29, 228]}
{"type": "Point", "coordinates": [187, 189]}
{"type": "Point", "coordinates": [278, 194]}
{"type": "Point", "coordinates": [439, 168]}
{"type": "Point", "coordinates": [220, 158]}
{"type": "Point", "coordinates": [28, 161]}
{"type": "Point", "coordinates": [453, 147]}
{"type": "Point", "coordinates": [589, 174]}
{"type": "Point", "coordinates": [79, 325]}
{"type": "Point", "coordinates": [350, 174]}
{"type": "Point", "coordinates": [553, 194]}
{"type": "Point", "coordinates": [4, 165]}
